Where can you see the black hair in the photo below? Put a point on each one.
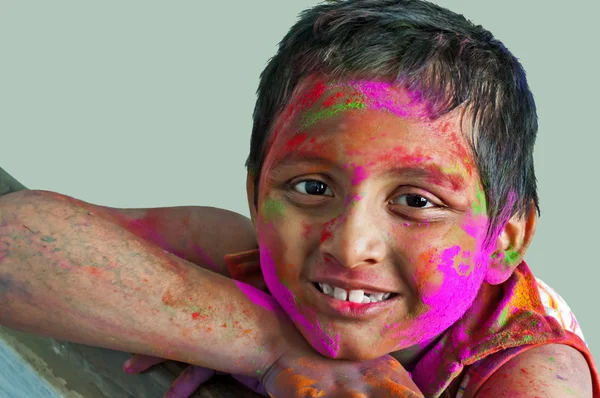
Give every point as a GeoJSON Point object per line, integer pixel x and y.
{"type": "Point", "coordinates": [427, 48]}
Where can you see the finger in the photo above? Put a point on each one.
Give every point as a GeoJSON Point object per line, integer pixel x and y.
{"type": "Point", "coordinates": [189, 381]}
{"type": "Point", "coordinates": [139, 363]}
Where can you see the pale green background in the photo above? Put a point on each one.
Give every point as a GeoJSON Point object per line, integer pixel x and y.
{"type": "Point", "coordinates": [146, 103]}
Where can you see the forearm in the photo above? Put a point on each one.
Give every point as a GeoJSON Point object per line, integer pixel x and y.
{"type": "Point", "coordinates": [201, 235]}
{"type": "Point", "coordinates": [105, 286]}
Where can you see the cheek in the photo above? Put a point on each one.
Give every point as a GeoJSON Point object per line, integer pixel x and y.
{"type": "Point", "coordinates": [449, 269]}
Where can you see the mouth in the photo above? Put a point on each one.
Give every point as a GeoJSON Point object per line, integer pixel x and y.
{"type": "Point", "coordinates": [353, 296]}
{"type": "Point", "coordinates": [328, 304]}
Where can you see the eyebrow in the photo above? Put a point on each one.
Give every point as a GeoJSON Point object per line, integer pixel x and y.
{"type": "Point", "coordinates": [430, 172]}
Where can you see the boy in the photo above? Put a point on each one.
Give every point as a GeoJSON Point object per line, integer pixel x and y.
{"type": "Point", "coordinates": [392, 190]}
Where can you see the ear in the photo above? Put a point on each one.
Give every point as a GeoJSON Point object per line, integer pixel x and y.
{"type": "Point", "coordinates": [250, 192]}
{"type": "Point", "coordinates": [511, 245]}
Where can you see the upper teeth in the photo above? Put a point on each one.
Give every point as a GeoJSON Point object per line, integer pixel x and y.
{"type": "Point", "coordinates": [355, 296]}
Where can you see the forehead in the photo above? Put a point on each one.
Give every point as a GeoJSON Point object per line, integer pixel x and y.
{"type": "Point", "coordinates": [366, 117]}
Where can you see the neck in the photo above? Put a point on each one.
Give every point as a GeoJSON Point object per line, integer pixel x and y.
{"type": "Point", "coordinates": [410, 356]}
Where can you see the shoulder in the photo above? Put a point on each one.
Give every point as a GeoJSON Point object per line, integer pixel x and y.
{"type": "Point", "coordinates": [553, 370]}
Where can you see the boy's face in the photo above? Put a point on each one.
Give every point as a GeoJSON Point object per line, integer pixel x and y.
{"type": "Point", "coordinates": [360, 192]}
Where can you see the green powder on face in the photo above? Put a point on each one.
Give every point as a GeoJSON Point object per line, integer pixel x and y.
{"type": "Point", "coordinates": [312, 118]}
{"type": "Point", "coordinates": [479, 206]}
{"type": "Point", "coordinates": [512, 256]}
{"type": "Point", "coordinates": [272, 209]}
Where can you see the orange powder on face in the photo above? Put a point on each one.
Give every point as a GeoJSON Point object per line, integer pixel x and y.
{"type": "Point", "coordinates": [426, 273]}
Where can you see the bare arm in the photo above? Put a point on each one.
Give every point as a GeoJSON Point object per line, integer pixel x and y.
{"type": "Point", "coordinates": [552, 370]}
{"type": "Point", "coordinates": [76, 273]}
{"type": "Point", "coordinates": [198, 234]}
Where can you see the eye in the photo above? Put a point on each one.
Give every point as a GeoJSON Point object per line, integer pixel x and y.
{"type": "Point", "coordinates": [313, 187]}
{"type": "Point", "coordinates": [412, 200]}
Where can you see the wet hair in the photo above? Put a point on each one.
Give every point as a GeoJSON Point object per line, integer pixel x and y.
{"type": "Point", "coordinates": [427, 49]}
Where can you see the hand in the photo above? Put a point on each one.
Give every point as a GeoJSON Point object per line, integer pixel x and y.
{"type": "Point", "coordinates": [190, 379]}
{"type": "Point", "coordinates": [302, 372]}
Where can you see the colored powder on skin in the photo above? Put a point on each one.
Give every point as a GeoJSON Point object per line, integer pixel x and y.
{"type": "Point", "coordinates": [310, 98]}
{"type": "Point", "coordinates": [479, 205]}
{"type": "Point", "coordinates": [296, 141]}
{"type": "Point", "coordinates": [447, 261]}
{"type": "Point", "coordinates": [359, 175]}
{"type": "Point", "coordinates": [352, 200]}
{"type": "Point", "coordinates": [286, 300]}
{"type": "Point", "coordinates": [314, 117]}
{"type": "Point", "coordinates": [378, 97]}
{"type": "Point", "coordinates": [331, 99]}
{"type": "Point", "coordinates": [512, 256]}
{"type": "Point", "coordinates": [272, 209]}
{"type": "Point", "coordinates": [327, 230]}
{"type": "Point", "coordinates": [258, 297]}
{"type": "Point", "coordinates": [196, 316]}
{"type": "Point", "coordinates": [464, 269]}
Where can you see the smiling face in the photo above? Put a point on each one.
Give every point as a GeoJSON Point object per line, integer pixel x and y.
{"type": "Point", "coordinates": [361, 198]}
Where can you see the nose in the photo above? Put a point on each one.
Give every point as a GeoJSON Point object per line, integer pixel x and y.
{"type": "Point", "coordinates": [355, 238]}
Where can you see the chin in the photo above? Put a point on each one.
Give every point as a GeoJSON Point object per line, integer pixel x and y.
{"type": "Point", "coordinates": [352, 348]}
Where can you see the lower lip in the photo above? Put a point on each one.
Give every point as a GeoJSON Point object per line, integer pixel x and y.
{"type": "Point", "coordinates": [347, 309]}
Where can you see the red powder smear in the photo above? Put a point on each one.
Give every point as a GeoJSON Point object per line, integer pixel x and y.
{"type": "Point", "coordinates": [306, 227]}
{"type": "Point", "coordinates": [310, 98]}
{"type": "Point", "coordinates": [197, 315]}
{"type": "Point", "coordinates": [296, 141]}
{"type": "Point", "coordinates": [331, 99]}
{"type": "Point", "coordinates": [327, 227]}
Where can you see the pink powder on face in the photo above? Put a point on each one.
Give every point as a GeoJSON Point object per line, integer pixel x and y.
{"type": "Point", "coordinates": [359, 175]}
{"type": "Point", "coordinates": [378, 97]}
{"type": "Point", "coordinates": [326, 344]}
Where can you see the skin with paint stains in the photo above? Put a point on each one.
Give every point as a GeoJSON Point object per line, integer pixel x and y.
{"type": "Point", "coordinates": [430, 246]}
{"type": "Point", "coordinates": [369, 192]}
